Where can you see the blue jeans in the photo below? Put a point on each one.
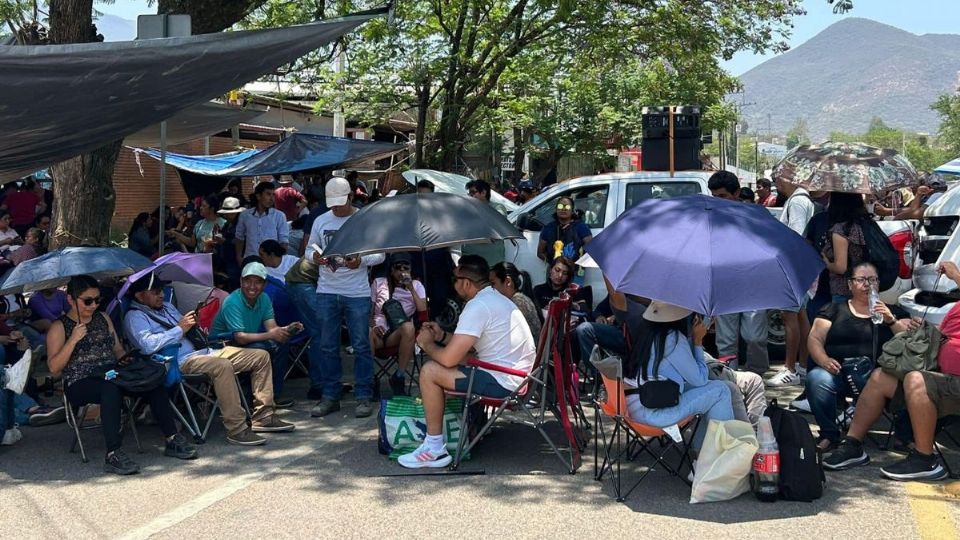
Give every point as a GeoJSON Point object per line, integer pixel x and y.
{"type": "Point", "coordinates": [712, 400]}
{"type": "Point", "coordinates": [333, 308]}
{"type": "Point", "coordinates": [303, 296]}
{"type": "Point", "coordinates": [824, 389]}
{"type": "Point", "coordinates": [607, 336]}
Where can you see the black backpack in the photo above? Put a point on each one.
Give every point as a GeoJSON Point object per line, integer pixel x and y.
{"type": "Point", "coordinates": [801, 468]}
{"type": "Point", "coordinates": [881, 253]}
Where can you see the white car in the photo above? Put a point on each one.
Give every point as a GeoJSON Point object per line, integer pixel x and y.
{"type": "Point", "coordinates": [599, 200]}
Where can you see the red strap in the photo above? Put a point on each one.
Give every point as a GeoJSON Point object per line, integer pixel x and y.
{"type": "Point", "coordinates": [494, 367]}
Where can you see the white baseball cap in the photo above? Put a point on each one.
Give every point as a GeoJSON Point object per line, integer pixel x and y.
{"type": "Point", "coordinates": [254, 269]}
{"type": "Point", "coordinates": [337, 191]}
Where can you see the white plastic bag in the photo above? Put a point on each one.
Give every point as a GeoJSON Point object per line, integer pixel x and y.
{"type": "Point", "coordinates": [723, 470]}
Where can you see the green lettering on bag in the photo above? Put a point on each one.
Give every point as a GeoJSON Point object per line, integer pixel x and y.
{"type": "Point", "coordinates": [404, 432]}
{"type": "Point", "coordinates": [452, 430]}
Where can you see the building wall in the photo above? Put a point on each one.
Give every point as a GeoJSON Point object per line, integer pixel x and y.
{"type": "Point", "coordinates": [140, 192]}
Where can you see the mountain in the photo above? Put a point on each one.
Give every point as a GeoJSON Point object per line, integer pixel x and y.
{"type": "Point", "coordinates": [854, 70]}
{"type": "Point", "coordinates": [116, 28]}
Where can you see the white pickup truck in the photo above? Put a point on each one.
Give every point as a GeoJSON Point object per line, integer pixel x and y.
{"type": "Point", "coordinates": [599, 200]}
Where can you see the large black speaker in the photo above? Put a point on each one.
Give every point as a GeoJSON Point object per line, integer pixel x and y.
{"type": "Point", "coordinates": [655, 145]}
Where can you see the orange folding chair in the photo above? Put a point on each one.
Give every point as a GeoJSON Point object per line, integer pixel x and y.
{"type": "Point", "coordinates": [640, 439]}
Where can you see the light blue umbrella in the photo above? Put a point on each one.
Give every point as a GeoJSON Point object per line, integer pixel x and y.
{"type": "Point", "coordinates": [57, 267]}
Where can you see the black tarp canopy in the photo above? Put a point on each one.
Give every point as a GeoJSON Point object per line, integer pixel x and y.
{"type": "Point", "coordinates": [59, 101]}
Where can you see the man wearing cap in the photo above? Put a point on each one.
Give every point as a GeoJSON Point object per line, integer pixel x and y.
{"type": "Point", "coordinates": [152, 325]}
{"type": "Point", "coordinates": [263, 222]}
{"type": "Point", "coordinates": [526, 192]}
{"type": "Point", "coordinates": [247, 319]}
{"type": "Point", "coordinates": [493, 326]}
{"type": "Point", "coordinates": [288, 199]}
{"type": "Point", "coordinates": [225, 249]}
{"type": "Point", "coordinates": [343, 291]}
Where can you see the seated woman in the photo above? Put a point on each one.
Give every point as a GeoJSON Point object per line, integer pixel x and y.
{"type": "Point", "coordinates": [32, 247]}
{"type": "Point", "coordinates": [927, 396]}
{"type": "Point", "coordinates": [276, 260]}
{"type": "Point", "coordinates": [665, 352]}
{"type": "Point", "coordinates": [398, 285]}
{"type": "Point", "coordinates": [841, 335]}
{"type": "Point", "coordinates": [559, 277]}
{"type": "Point", "coordinates": [139, 239]}
{"type": "Point", "coordinates": [82, 345]}
{"type": "Point", "coordinates": [510, 281]}
{"type": "Point", "coordinates": [203, 237]}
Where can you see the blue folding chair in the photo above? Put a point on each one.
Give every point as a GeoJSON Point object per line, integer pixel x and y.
{"type": "Point", "coordinates": [286, 313]}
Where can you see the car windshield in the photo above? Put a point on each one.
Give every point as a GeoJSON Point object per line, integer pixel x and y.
{"type": "Point", "coordinates": [641, 191]}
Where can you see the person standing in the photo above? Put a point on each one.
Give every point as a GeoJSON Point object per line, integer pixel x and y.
{"type": "Point", "coordinates": [263, 222]}
{"type": "Point", "coordinates": [566, 236]}
{"type": "Point", "coordinates": [765, 194]}
{"type": "Point", "coordinates": [797, 212]}
{"type": "Point", "coordinates": [749, 325]}
{"type": "Point", "coordinates": [343, 291]}
{"type": "Point", "coordinates": [23, 205]}
{"type": "Point", "coordinates": [491, 252]}
{"type": "Point", "coordinates": [288, 199]}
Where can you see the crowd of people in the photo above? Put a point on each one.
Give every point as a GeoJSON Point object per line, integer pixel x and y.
{"type": "Point", "coordinates": [389, 303]}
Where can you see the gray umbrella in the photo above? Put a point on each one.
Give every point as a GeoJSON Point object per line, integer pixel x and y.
{"type": "Point", "coordinates": [420, 222]}
{"type": "Point", "coordinates": [57, 267]}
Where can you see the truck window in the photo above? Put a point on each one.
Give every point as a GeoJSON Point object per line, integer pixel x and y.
{"type": "Point", "coordinates": [641, 191]}
{"type": "Point", "coordinates": [590, 203]}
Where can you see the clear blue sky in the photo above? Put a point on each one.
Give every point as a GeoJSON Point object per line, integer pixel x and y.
{"type": "Point", "coordinates": [917, 16]}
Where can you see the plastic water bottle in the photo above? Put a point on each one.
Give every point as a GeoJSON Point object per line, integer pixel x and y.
{"type": "Point", "coordinates": [765, 476]}
{"type": "Point", "coordinates": [877, 318]}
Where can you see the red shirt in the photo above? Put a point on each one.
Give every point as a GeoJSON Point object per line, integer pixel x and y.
{"type": "Point", "coordinates": [23, 207]}
{"type": "Point", "coordinates": [771, 200]}
{"type": "Point", "coordinates": [285, 200]}
{"type": "Point", "coordinates": [949, 355]}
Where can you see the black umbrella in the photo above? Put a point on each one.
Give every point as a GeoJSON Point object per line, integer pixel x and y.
{"type": "Point", "coordinates": [420, 222]}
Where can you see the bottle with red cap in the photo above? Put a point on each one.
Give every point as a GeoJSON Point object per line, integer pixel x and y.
{"type": "Point", "coordinates": [765, 476]}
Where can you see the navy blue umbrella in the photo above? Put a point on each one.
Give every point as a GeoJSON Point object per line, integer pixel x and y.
{"type": "Point", "coordinates": [706, 254]}
{"type": "Point", "coordinates": [57, 267]}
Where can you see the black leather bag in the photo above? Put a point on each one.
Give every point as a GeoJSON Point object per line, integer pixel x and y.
{"type": "Point", "coordinates": [393, 312]}
{"type": "Point", "coordinates": [136, 374]}
{"type": "Point", "coordinates": [659, 394]}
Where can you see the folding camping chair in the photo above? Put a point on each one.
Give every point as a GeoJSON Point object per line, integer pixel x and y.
{"type": "Point", "coordinates": [286, 313]}
{"type": "Point", "coordinates": [387, 358]}
{"type": "Point", "coordinates": [531, 398]}
{"type": "Point", "coordinates": [81, 414]}
{"type": "Point", "coordinates": [640, 438]}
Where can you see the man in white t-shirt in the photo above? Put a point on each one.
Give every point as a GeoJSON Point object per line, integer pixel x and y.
{"type": "Point", "coordinates": [493, 326]}
{"type": "Point", "coordinates": [343, 292]}
{"type": "Point", "coordinates": [797, 211]}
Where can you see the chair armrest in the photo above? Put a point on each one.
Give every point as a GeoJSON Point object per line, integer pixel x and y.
{"type": "Point", "coordinates": [473, 362]}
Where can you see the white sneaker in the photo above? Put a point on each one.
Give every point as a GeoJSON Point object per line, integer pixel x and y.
{"type": "Point", "coordinates": [784, 377]}
{"type": "Point", "coordinates": [18, 374]}
{"type": "Point", "coordinates": [423, 457]}
{"type": "Point", "coordinates": [802, 405]}
{"type": "Point", "coordinates": [11, 436]}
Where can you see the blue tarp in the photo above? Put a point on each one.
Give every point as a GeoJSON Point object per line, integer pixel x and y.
{"type": "Point", "coordinates": [298, 152]}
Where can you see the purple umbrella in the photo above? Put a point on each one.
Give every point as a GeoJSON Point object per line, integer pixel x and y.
{"type": "Point", "coordinates": [706, 254]}
{"type": "Point", "coordinates": [182, 267]}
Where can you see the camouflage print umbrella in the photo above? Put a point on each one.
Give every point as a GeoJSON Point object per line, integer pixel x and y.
{"type": "Point", "coordinates": [846, 167]}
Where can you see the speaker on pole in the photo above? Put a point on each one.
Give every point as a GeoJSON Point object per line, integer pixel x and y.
{"type": "Point", "coordinates": [655, 144]}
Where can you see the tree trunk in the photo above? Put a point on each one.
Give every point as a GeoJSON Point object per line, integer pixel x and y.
{"type": "Point", "coordinates": [423, 108]}
{"type": "Point", "coordinates": [82, 186]}
{"type": "Point", "coordinates": [519, 153]}
{"type": "Point", "coordinates": [210, 16]}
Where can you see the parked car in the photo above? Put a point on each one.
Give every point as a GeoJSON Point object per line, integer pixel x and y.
{"type": "Point", "coordinates": [937, 242]}
{"type": "Point", "coordinates": [598, 200]}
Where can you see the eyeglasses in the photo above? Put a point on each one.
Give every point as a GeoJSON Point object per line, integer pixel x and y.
{"type": "Point", "coordinates": [401, 267]}
{"type": "Point", "coordinates": [90, 301]}
{"type": "Point", "coordinates": [564, 207]}
{"type": "Point", "coordinates": [865, 280]}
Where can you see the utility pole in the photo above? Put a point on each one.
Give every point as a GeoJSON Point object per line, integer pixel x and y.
{"type": "Point", "coordinates": [339, 66]}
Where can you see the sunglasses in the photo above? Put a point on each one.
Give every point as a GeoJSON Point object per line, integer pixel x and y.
{"type": "Point", "coordinates": [90, 301]}
{"type": "Point", "coordinates": [402, 267]}
{"type": "Point", "coordinates": [564, 207]}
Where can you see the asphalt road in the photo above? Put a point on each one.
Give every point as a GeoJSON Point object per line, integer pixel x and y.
{"type": "Point", "coordinates": [326, 480]}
